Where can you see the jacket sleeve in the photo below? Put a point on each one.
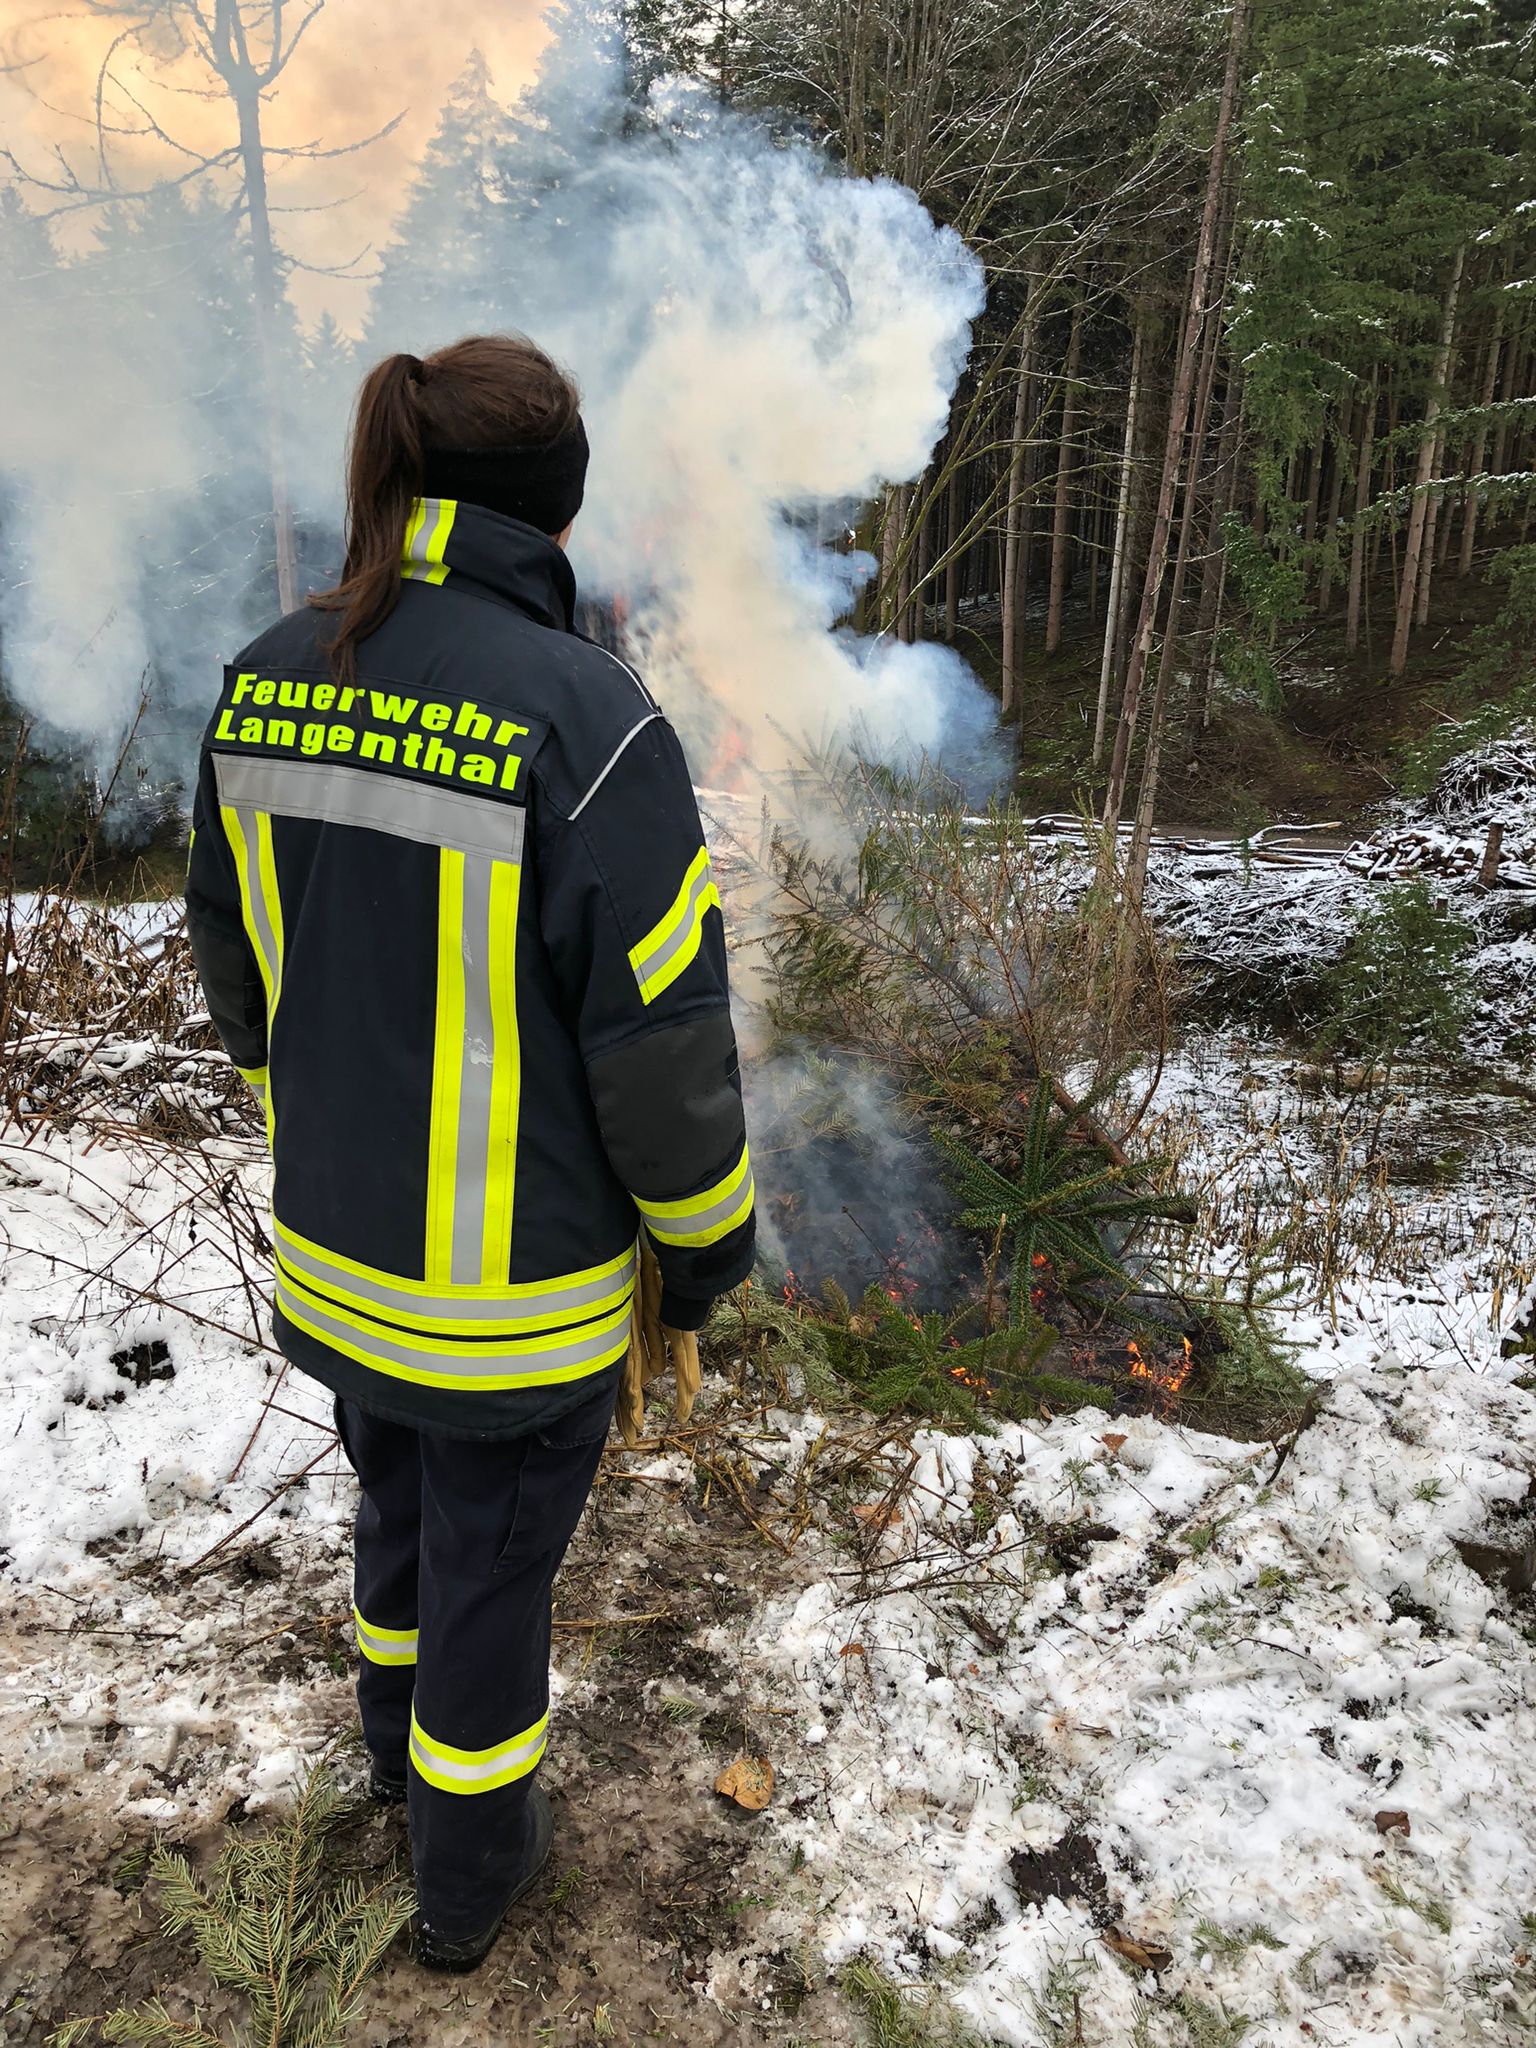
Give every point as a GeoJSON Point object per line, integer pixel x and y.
{"type": "Point", "coordinates": [226, 960]}
{"type": "Point", "coordinates": [631, 918]}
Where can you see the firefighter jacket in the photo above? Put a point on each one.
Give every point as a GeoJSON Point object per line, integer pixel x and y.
{"type": "Point", "coordinates": [455, 922]}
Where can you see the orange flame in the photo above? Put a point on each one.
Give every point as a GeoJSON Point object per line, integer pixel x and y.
{"type": "Point", "coordinates": [1168, 1381]}
{"type": "Point", "coordinates": [973, 1380]}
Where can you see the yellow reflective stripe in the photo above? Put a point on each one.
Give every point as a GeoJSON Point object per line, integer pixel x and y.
{"type": "Point", "coordinates": [545, 1361]}
{"type": "Point", "coordinates": [384, 1645]}
{"type": "Point", "coordinates": [672, 945]}
{"type": "Point", "coordinates": [426, 539]}
{"type": "Point", "coordinates": [707, 1217]}
{"type": "Point", "coordinates": [618, 1268]}
{"type": "Point", "coordinates": [266, 871]}
{"type": "Point", "coordinates": [477, 1770]}
{"type": "Point", "coordinates": [506, 1075]}
{"type": "Point", "coordinates": [246, 874]}
{"type": "Point", "coordinates": [254, 1077]}
{"type": "Point", "coordinates": [469, 1321]}
{"type": "Point", "coordinates": [447, 1066]}
{"type": "Point", "coordinates": [250, 840]}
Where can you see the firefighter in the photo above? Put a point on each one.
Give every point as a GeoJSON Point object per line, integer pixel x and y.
{"type": "Point", "coordinates": [454, 919]}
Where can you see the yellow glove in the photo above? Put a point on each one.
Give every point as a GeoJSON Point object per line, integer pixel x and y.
{"type": "Point", "coordinates": [650, 1341]}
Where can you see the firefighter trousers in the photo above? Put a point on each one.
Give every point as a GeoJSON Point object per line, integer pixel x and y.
{"type": "Point", "coordinates": [457, 1547]}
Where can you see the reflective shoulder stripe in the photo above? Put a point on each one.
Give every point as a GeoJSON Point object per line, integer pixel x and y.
{"type": "Point", "coordinates": [477, 1770]}
{"type": "Point", "coordinates": [426, 539]}
{"type": "Point", "coordinates": [672, 944]}
{"type": "Point", "coordinates": [331, 793]}
{"type": "Point", "coordinates": [706, 1217]}
{"type": "Point", "coordinates": [384, 1645]}
{"type": "Point", "coordinates": [613, 761]}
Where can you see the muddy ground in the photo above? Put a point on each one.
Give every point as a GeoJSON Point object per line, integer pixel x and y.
{"type": "Point", "coordinates": [667, 1913]}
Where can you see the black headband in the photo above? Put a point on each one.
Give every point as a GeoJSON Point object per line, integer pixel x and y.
{"type": "Point", "coordinates": [541, 486]}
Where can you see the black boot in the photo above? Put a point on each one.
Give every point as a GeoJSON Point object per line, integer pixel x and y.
{"type": "Point", "coordinates": [468, 1952]}
{"type": "Point", "coordinates": [384, 1788]}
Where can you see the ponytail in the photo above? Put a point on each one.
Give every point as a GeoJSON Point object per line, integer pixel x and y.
{"type": "Point", "coordinates": [489, 391]}
{"type": "Point", "coordinates": [383, 481]}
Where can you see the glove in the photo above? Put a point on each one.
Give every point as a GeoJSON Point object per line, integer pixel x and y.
{"type": "Point", "coordinates": [650, 1341]}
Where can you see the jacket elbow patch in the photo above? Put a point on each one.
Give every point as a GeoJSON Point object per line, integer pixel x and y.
{"type": "Point", "coordinates": [707, 1217]}
{"type": "Point", "coordinates": [671, 946]}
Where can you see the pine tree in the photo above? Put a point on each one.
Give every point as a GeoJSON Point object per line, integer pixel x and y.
{"type": "Point", "coordinates": [445, 269]}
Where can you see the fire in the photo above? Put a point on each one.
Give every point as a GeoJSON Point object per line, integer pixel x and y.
{"type": "Point", "coordinates": [973, 1380]}
{"type": "Point", "coordinates": [1168, 1380]}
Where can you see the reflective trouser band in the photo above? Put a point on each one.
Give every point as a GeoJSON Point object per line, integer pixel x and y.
{"type": "Point", "coordinates": [707, 1217]}
{"type": "Point", "coordinates": [426, 539]}
{"type": "Point", "coordinates": [255, 1078]}
{"type": "Point", "coordinates": [476, 1072]}
{"type": "Point", "coordinates": [504, 1367]}
{"type": "Point", "coordinates": [507, 1310]}
{"type": "Point", "coordinates": [477, 1770]}
{"type": "Point", "coordinates": [672, 945]}
{"type": "Point", "coordinates": [384, 1645]}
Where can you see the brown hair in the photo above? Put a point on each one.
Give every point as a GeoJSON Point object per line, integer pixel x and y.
{"type": "Point", "coordinates": [487, 391]}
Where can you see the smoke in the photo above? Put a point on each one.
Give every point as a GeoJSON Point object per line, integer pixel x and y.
{"type": "Point", "coordinates": [761, 341]}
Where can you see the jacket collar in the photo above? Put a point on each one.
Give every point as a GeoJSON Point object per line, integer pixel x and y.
{"type": "Point", "coordinates": [447, 540]}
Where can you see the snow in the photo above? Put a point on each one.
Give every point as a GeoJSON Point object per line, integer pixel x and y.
{"type": "Point", "coordinates": [1210, 1666]}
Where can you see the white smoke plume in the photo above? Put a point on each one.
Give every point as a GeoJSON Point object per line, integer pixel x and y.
{"type": "Point", "coordinates": [761, 341]}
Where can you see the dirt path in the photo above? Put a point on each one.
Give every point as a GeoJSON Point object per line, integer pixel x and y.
{"type": "Point", "coordinates": [173, 1711]}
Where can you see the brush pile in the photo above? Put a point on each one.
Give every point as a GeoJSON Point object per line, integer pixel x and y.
{"type": "Point", "coordinates": [101, 1022]}
{"type": "Point", "coordinates": [1245, 928]}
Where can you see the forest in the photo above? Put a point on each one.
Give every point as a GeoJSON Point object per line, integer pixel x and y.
{"type": "Point", "coordinates": [1066, 470]}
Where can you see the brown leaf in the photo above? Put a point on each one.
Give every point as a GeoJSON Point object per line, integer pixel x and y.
{"type": "Point", "coordinates": [1112, 1442]}
{"type": "Point", "coordinates": [749, 1781]}
{"type": "Point", "coordinates": [1141, 1955]}
{"type": "Point", "coordinates": [1393, 1821]}
{"type": "Point", "coordinates": [853, 1650]}
{"type": "Point", "coordinates": [877, 1514]}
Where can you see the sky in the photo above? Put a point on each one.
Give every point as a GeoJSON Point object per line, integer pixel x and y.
{"type": "Point", "coordinates": [361, 63]}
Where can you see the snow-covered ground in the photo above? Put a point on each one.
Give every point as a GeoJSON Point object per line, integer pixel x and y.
{"type": "Point", "coordinates": [1254, 1717]}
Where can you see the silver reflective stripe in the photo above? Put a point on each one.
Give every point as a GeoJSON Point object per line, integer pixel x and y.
{"type": "Point", "coordinates": [534, 1310]}
{"type": "Point", "coordinates": [250, 833]}
{"type": "Point", "coordinates": [593, 1344]}
{"type": "Point", "coordinates": [687, 934]}
{"type": "Point", "coordinates": [426, 539]}
{"type": "Point", "coordinates": [498, 1766]}
{"type": "Point", "coordinates": [333, 794]}
{"type": "Point", "coordinates": [477, 1064]}
{"type": "Point", "coordinates": [667, 1226]}
{"type": "Point", "coordinates": [396, 1648]}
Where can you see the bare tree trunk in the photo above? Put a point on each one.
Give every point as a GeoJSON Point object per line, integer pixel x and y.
{"type": "Point", "coordinates": [1117, 564]}
{"type": "Point", "coordinates": [1167, 662]}
{"type": "Point", "coordinates": [1330, 561]}
{"type": "Point", "coordinates": [1214, 575]}
{"type": "Point", "coordinates": [244, 86]}
{"type": "Point", "coordinates": [1013, 574]}
{"type": "Point", "coordinates": [952, 552]}
{"type": "Point", "coordinates": [1432, 530]}
{"type": "Point", "coordinates": [1178, 420]}
{"type": "Point", "coordinates": [1480, 444]}
{"type": "Point", "coordinates": [1419, 506]}
{"type": "Point", "coordinates": [920, 580]}
{"type": "Point", "coordinates": [1357, 539]}
{"type": "Point", "coordinates": [1065, 467]}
